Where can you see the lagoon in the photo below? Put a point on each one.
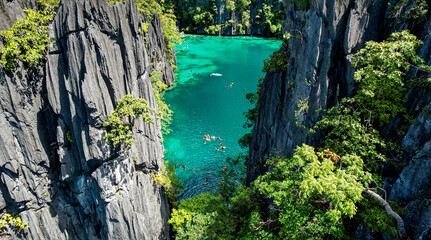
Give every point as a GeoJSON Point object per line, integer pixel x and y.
{"type": "Point", "coordinates": [214, 74]}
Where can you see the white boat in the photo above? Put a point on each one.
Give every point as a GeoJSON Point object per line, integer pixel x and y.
{"type": "Point", "coordinates": [216, 74]}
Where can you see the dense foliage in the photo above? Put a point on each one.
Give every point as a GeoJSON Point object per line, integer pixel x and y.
{"type": "Point", "coordinates": [321, 194]}
{"type": "Point", "coordinates": [122, 119]}
{"type": "Point", "coordinates": [311, 194]}
{"type": "Point", "coordinates": [203, 16]}
{"type": "Point", "coordinates": [250, 115]}
{"type": "Point", "coordinates": [28, 39]}
{"type": "Point", "coordinates": [381, 75]}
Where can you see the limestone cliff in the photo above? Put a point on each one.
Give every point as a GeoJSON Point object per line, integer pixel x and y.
{"type": "Point", "coordinates": [323, 40]}
{"type": "Point", "coordinates": [56, 170]}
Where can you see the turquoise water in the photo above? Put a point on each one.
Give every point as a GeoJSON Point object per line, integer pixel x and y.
{"type": "Point", "coordinates": [214, 74]}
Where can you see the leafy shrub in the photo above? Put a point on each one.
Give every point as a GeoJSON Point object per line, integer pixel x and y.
{"type": "Point", "coordinates": [276, 63]}
{"type": "Point", "coordinates": [28, 39]}
{"type": "Point", "coordinates": [168, 180]}
{"type": "Point", "coordinates": [201, 217]}
{"type": "Point", "coordinates": [213, 29]}
{"type": "Point", "coordinates": [14, 222]}
{"type": "Point", "coordinates": [164, 113]}
{"type": "Point", "coordinates": [347, 133]}
{"type": "Point", "coordinates": [122, 119]}
{"type": "Point", "coordinates": [381, 69]}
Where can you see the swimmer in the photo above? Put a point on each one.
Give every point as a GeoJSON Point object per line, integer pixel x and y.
{"type": "Point", "coordinates": [224, 167]}
{"type": "Point", "coordinates": [217, 149]}
{"type": "Point", "coordinates": [223, 147]}
{"type": "Point", "coordinates": [206, 180]}
{"type": "Point", "coordinates": [212, 137]}
{"type": "Point", "coordinates": [219, 143]}
{"type": "Point", "coordinates": [219, 138]}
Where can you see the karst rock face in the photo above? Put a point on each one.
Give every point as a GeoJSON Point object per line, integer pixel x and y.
{"type": "Point", "coordinates": [56, 170]}
{"type": "Point", "coordinates": [322, 43]}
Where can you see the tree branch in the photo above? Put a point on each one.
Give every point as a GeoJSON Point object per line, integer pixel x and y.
{"type": "Point", "coordinates": [389, 210]}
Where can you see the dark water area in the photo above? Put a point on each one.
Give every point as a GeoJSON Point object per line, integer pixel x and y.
{"type": "Point", "coordinates": [214, 74]}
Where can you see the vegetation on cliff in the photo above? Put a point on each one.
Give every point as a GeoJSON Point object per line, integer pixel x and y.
{"type": "Point", "coordinates": [321, 194]}
{"type": "Point", "coordinates": [122, 120]}
{"type": "Point", "coordinates": [28, 39]}
{"type": "Point", "coordinates": [232, 15]}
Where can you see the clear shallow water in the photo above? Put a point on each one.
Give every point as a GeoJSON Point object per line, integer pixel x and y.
{"type": "Point", "coordinates": [204, 103]}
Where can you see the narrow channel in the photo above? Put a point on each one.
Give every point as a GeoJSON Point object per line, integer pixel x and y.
{"type": "Point", "coordinates": [214, 74]}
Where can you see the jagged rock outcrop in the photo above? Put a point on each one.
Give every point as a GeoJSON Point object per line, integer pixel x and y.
{"type": "Point", "coordinates": [323, 40]}
{"type": "Point", "coordinates": [56, 171]}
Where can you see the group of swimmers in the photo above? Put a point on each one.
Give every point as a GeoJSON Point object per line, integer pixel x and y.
{"type": "Point", "coordinates": [221, 148]}
{"type": "Point", "coordinates": [230, 85]}
{"type": "Point", "coordinates": [208, 138]}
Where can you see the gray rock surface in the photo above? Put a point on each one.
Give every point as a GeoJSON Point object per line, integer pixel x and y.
{"type": "Point", "coordinates": [323, 40]}
{"type": "Point", "coordinates": [56, 171]}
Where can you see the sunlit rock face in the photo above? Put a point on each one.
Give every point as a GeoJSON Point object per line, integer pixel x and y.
{"type": "Point", "coordinates": [56, 171]}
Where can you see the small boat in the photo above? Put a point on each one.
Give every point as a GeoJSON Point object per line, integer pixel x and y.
{"type": "Point", "coordinates": [216, 74]}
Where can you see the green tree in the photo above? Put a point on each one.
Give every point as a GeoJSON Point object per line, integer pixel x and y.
{"type": "Point", "coordinates": [381, 69]}
{"type": "Point", "coordinates": [313, 192]}
{"type": "Point", "coordinates": [122, 119]}
{"type": "Point", "coordinates": [201, 217]}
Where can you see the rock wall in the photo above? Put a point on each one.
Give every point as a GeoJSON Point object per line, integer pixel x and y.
{"type": "Point", "coordinates": [56, 171]}
{"type": "Point", "coordinates": [323, 40]}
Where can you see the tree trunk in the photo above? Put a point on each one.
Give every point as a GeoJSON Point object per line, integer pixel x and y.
{"type": "Point", "coordinates": [400, 222]}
